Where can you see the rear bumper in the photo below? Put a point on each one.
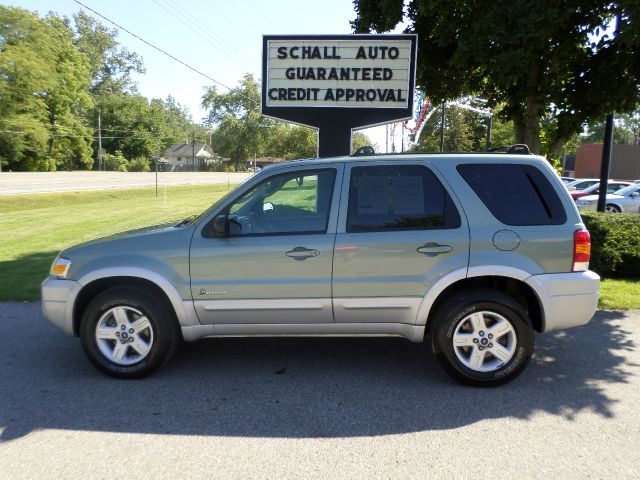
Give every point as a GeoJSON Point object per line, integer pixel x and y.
{"type": "Point", "coordinates": [57, 302]}
{"type": "Point", "coordinates": [568, 299]}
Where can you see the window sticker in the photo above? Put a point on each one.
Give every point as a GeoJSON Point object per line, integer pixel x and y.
{"type": "Point", "coordinates": [372, 195]}
{"type": "Point", "coordinates": [408, 195]}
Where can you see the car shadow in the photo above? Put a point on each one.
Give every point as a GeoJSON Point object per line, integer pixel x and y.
{"type": "Point", "coordinates": [293, 387]}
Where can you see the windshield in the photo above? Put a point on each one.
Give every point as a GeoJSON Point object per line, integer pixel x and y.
{"type": "Point", "coordinates": [627, 190]}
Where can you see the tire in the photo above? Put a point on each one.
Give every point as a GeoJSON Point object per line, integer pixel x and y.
{"type": "Point", "coordinates": [124, 352]}
{"type": "Point", "coordinates": [611, 208]}
{"type": "Point", "coordinates": [493, 336]}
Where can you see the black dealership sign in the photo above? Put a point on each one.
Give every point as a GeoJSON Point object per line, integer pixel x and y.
{"type": "Point", "coordinates": [338, 82]}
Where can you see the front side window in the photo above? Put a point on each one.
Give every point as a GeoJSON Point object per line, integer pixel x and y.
{"type": "Point", "coordinates": [290, 203]}
{"type": "Point", "coordinates": [398, 197]}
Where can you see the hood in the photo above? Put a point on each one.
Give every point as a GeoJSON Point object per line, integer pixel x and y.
{"type": "Point", "coordinates": [128, 238]}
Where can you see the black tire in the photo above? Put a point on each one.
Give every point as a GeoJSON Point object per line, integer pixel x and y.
{"type": "Point", "coordinates": [611, 208]}
{"type": "Point", "coordinates": [163, 331]}
{"type": "Point", "coordinates": [454, 314]}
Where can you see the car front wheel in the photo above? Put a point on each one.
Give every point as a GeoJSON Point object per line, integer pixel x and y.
{"type": "Point", "coordinates": [482, 337]}
{"type": "Point", "coordinates": [127, 333]}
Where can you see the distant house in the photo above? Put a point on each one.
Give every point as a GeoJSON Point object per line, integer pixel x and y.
{"type": "Point", "coordinates": [180, 156]}
{"type": "Point", "coordinates": [625, 161]}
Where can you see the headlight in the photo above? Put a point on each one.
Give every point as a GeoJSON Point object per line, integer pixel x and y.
{"type": "Point", "coordinates": [60, 267]}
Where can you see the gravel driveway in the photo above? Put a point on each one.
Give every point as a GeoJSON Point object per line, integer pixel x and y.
{"type": "Point", "coordinates": [318, 408]}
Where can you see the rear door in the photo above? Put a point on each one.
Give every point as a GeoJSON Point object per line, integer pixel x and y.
{"type": "Point", "coordinates": [399, 231]}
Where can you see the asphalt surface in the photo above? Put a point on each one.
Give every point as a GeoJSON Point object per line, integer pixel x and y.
{"type": "Point", "coordinates": [318, 408]}
{"type": "Point", "coordinates": [48, 182]}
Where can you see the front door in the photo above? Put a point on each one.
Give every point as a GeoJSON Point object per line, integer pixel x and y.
{"type": "Point", "coordinates": [273, 263]}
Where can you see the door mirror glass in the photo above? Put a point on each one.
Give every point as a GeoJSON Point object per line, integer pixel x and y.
{"type": "Point", "coordinates": [267, 207]}
{"type": "Point", "coordinates": [219, 226]}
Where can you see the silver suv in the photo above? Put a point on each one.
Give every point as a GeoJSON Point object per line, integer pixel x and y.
{"type": "Point", "coordinates": [473, 252]}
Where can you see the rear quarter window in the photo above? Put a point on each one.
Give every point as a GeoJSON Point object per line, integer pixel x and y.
{"type": "Point", "coordinates": [518, 195]}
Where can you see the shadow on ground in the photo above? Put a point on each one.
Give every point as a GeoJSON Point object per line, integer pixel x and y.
{"type": "Point", "coordinates": [293, 387]}
{"type": "Point", "coordinates": [20, 278]}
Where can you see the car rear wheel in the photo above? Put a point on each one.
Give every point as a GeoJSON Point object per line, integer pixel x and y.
{"type": "Point", "coordinates": [482, 337]}
{"type": "Point", "coordinates": [127, 333]}
{"type": "Point", "coordinates": [611, 208]}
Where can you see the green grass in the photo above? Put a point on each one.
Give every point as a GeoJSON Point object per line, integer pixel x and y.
{"type": "Point", "coordinates": [34, 228]}
{"type": "Point", "coordinates": [620, 294]}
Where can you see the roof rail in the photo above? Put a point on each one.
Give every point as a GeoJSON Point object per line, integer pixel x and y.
{"type": "Point", "coordinates": [518, 148]}
{"type": "Point", "coordinates": [364, 150]}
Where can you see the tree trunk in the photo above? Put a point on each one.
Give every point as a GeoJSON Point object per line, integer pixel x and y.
{"type": "Point", "coordinates": [534, 107]}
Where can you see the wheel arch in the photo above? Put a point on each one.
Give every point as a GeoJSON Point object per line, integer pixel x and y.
{"type": "Point", "coordinates": [100, 281]}
{"type": "Point", "coordinates": [509, 280]}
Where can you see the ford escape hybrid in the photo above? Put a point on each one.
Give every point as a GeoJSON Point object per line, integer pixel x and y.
{"type": "Point", "coordinates": [472, 253]}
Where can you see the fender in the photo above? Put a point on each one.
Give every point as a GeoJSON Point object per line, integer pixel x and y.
{"type": "Point", "coordinates": [183, 308]}
{"type": "Point", "coordinates": [481, 271]}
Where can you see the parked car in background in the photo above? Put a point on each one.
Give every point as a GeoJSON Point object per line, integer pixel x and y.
{"type": "Point", "coordinates": [612, 186]}
{"type": "Point", "coordinates": [567, 180]}
{"type": "Point", "coordinates": [582, 183]}
{"type": "Point", "coordinates": [624, 200]}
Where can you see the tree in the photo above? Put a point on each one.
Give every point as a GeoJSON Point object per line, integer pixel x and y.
{"type": "Point", "coordinates": [43, 93]}
{"type": "Point", "coordinates": [557, 58]}
{"type": "Point", "coordinates": [111, 65]}
{"type": "Point", "coordinates": [291, 142]}
{"type": "Point", "coordinates": [359, 139]}
{"type": "Point", "coordinates": [241, 130]}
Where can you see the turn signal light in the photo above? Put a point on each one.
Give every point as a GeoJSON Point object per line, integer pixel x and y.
{"type": "Point", "coordinates": [581, 250]}
{"type": "Point", "coordinates": [60, 267]}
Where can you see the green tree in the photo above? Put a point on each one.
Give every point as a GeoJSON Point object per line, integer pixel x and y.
{"type": "Point", "coordinates": [359, 139]}
{"type": "Point", "coordinates": [43, 93]}
{"type": "Point", "coordinates": [111, 65]}
{"type": "Point", "coordinates": [291, 142]}
{"type": "Point", "coordinates": [554, 58]}
{"type": "Point", "coordinates": [241, 130]}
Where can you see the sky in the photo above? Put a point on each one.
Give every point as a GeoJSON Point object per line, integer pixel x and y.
{"type": "Point", "coordinates": [221, 38]}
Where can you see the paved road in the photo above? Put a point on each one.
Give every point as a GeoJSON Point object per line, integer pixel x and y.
{"type": "Point", "coordinates": [318, 408]}
{"type": "Point", "coordinates": [47, 182]}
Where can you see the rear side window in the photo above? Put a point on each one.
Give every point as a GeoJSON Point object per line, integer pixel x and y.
{"type": "Point", "coordinates": [515, 194]}
{"type": "Point", "coordinates": [403, 197]}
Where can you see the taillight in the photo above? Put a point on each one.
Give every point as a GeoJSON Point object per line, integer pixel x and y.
{"type": "Point", "coordinates": [581, 250]}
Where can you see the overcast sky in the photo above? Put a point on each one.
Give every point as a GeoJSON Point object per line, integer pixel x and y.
{"type": "Point", "coordinates": [221, 38]}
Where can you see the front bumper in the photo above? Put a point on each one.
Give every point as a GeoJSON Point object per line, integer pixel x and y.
{"type": "Point", "coordinates": [58, 297]}
{"type": "Point", "coordinates": [568, 299]}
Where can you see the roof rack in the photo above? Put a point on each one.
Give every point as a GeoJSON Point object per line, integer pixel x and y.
{"type": "Point", "coordinates": [517, 149]}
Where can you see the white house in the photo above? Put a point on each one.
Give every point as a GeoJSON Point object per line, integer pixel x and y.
{"type": "Point", "coordinates": [180, 156]}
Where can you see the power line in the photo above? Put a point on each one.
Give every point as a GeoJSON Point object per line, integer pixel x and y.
{"type": "Point", "coordinates": [153, 46]}
{"type": "Point", "coordinates": [200, 29]}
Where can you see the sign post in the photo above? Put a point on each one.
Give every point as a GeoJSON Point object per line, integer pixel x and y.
{"type": "Point", "coordinates": [336, 83]}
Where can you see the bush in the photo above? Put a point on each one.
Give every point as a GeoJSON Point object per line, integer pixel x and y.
{"type": "Point", "coordinates": [115, 162]}
{"type": "Point", "coordinates": [139, 164]}
{"type": "Point", "coordinates": [615, 242]}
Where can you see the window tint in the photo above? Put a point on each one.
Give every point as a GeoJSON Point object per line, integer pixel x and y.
{"type": "Point", "coordinates": [295, 202]}
{"type": "Point", "coordinates": [515, 194]}
{"type": "Point", "coordinates": [398, 198]}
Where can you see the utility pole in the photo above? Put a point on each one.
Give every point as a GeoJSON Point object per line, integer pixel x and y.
{"type": "Point", "coordinates": [606, 162]}
{"type": "Point", "coordinates": [386, 137]}
{"type": "Point", "coordinates": [99, 141]}
{"type": "Point", "coordinates": [193, 150]}
{"type": "Point", "coordinates": [444, 104]}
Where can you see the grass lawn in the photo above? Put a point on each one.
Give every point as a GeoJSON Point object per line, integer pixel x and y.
{"type": "Point", "coordinates": [620, 294]}
{"type": "Point", "coordinates": [34, 228]}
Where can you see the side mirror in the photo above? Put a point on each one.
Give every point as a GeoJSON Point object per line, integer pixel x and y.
{"type": "Point", "coordinates": [219, 226]}
{"type": "Point", "coordinates": [267, 207]}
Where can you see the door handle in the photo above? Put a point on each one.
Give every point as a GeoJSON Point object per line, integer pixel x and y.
{"type": "Point", "coordinates": [434, 248]}
{"type": "Point", "coordinates": [300, 253]}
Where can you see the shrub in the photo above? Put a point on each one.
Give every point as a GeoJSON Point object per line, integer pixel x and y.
{"type": "Point", "coordinates": [615, 242]}
{"type": "Point", "coordinates": [115, 162]}
{"type": "Point", "coordinates": [139, 164]}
